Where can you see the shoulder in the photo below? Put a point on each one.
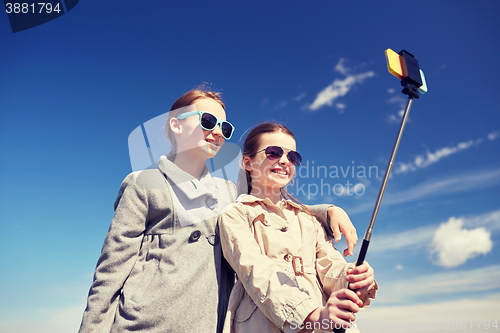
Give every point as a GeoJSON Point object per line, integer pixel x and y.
{"type": "Point", "coordinates": [141, 185]}
{"type": "Point", "coordinates": [149, 179]}
{"type": "Point", "coordinates": [224, 183]}
{"type": "Point", "coordinates": [232, 210]}
{"type": "Point", "coordinates": [240, 211]}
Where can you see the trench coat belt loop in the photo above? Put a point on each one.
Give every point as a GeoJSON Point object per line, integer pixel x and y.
{"type": "Point", "coordinates": [298, 265]}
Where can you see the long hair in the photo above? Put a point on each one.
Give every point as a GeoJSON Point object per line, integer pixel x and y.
{"type": "Point", "coordinates": [250, 146]}
{"type": "Point", "coordinates": [188, 98]}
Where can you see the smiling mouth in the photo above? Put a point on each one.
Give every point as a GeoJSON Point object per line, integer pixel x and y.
{"type": "Point", "coordinates": [280, 172]}
{"type": "Point", "coordinates": [213, 143]}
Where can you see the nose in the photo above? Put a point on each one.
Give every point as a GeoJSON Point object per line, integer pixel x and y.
{"type": "Point", "coordinates": [217, 131]}
{"type": "Point", "coordinates": [284, 159]}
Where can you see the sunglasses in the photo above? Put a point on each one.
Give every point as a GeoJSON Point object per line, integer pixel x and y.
{"type": "Point", "coordinates": [275, 152]}
{"type": "Point", "coordinates": [208, 122]}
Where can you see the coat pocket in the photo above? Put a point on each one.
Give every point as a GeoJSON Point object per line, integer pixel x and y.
{"type": "Point", "coordinates": [245, 309]}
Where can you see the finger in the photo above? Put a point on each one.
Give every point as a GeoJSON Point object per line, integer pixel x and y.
{"type": "Point", "coordinates": [365, 289]}
{"type": "Point", "coordinates": [346, 294]}
{"type": "Point", "coordinates": [337, 234]}
{"type": "Point", "coordinates": [351, 240]}
{"type": "Point", "coordinates": [349, 306]}
{"type": "Point", "coordinates": [353, 276]}
{"type": "Point", "coordinates": [342, 312]}
{"type": "Point", "coordinates": [363, 268]}
{"type": "Point", "coordinates": [363, 284]}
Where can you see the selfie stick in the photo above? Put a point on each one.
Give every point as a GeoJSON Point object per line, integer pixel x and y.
{"type": "Point", "coordinates": [405, 67]}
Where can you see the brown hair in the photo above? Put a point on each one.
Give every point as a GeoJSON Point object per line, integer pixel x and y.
{"type": "Point", "coordinates": [188, 98]}
{"type": "Point", "coordinates": [250, 146]}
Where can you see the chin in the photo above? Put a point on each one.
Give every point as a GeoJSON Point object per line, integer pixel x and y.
{"type": "Point", "coordinates": [208, 150]}
{"type": "Point", "coordinates": [281, 182]}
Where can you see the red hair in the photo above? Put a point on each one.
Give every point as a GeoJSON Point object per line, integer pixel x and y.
{"type": "Point", "coordinates": [188, 98]}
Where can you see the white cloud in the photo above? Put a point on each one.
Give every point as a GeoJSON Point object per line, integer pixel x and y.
{"type": "Point", "coordinates": [401, 101]}
{"type": "Point", "coordinates": [454, 184]}
{"type": "Point", "coordinates": [398, 99]}
{"type": "Point", "coordinates": [493, 135]}
{"type": "Point", "coordinates": [341, 68]}
{"type": "Point", "coordinates": [405, 167]}
{"type": "Point", "coordinates": [411, 239]}
{"type": "Point", "coordinates": [338, 89]}
{"type": "Point", "coordinates": [440, 284]}
{"type": "Point", "coordinates": [392, 118]}
{"type": "Point", "coordinates": [356, 190]}
{"type": "Point", "coordinates": [431, 317]}
{"type": "Point", "coordinates": [420, 238]}
{"type": "Point", "coordinates": [453, 245]}
{"type": "Point", "coordinates": [340, 106]}
{"type": "Point", "coordinates": [489, 220]}
{"type": "Point", "coordinates": [424, 160]}
{"type": "Point", "coordinates": [399, 267]}
{"type": "Point", "coordinates": [436, 187]}
{"type": "Point", "coordinates": [283, 104]}
{"type": "Point", "coordinates": [299, 97]}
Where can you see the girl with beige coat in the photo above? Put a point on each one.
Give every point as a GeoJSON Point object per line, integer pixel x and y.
{"type": "Point", "coordinates": [290, 276]}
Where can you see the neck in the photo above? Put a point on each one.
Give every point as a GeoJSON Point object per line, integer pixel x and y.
{"type": "Point", "coordinates": [191, 164]}
{"type": "Point", "coordinates": [273, 195]}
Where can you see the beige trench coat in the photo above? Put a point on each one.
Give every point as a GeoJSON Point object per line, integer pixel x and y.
{"type": "Point", "coordinates": [286, 266]}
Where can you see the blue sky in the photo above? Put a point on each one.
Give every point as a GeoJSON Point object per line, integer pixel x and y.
{"type": "Point", "coordinates": [73, 90]}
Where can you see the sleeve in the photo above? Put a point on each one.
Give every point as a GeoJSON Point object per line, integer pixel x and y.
{"type": "Point", "coordinates": [332, 268]}
{"type": "Point", "coordinates": [320, 212]}
{"type": "Point", "coordinates": [118, 256]}
{"type": "Point", "coordinates": [281, 302]}
{"type": "Point", "coordinates": [330, 265]}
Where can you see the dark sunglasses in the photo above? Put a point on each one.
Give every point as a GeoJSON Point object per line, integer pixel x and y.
{"type": "Point", "coordinates": [275, 152]}
{"type": "Point", "coordinates": [208, 122]}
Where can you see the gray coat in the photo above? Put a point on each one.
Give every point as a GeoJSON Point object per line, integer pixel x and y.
{"type": "Point", "coordinates": [154, 275]}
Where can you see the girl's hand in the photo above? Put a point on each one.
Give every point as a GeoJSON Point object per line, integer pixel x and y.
{"type": "Point", "coordinates": [339, 310]}
{"type": "Point", "coordinates": [341, 307]}
{"type": "Point", "coordinates": [361, 278]}
{"type": "Point", "coordinates": [341, 224]}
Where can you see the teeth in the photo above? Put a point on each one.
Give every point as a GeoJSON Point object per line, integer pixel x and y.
{"type": "Point", "coordinates": [213, 143]}
{"type": "Point", "coordinates": [280, 172]}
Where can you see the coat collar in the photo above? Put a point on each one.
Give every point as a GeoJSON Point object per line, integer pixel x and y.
{"type": "Point", "coordinates": [248, 198]}
{"type": "Point", "coordinates": [192, 187]}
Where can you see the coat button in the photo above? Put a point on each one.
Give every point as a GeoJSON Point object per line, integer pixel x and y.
{"type": "Point", "coordinates": [195, 235]}
{"type": "Point", "coordinates": [213, 240]}
{"type": "Point", "coordinates": [211, 203]}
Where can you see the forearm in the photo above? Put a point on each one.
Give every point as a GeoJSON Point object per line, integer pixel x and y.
{"type": "Point", "coordinates": [320, 212]}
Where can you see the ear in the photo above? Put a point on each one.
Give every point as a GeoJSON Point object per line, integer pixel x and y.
{"type": "Point", "coordinates": [175, 126]}
{"type": "Point", "coordinates": [247, 164]}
